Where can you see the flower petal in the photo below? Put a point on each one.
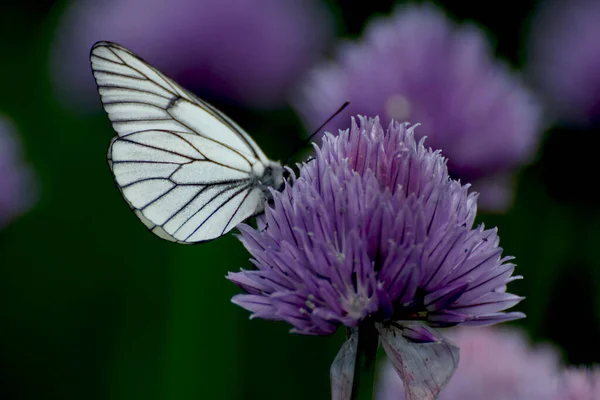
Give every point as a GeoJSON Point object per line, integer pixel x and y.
{"type": "Point", "coordinates": [423, 367]}
{"type": "Point", "coordinates": [342, 368]}
{"type": "Point", "coordinates": [418, 332]}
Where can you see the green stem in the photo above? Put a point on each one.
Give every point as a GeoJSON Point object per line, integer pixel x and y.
{"type": "Point", "coordinates": [364, 369]}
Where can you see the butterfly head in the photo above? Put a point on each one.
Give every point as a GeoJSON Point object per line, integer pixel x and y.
{"type": "Point", "coordinates": [272, 176]}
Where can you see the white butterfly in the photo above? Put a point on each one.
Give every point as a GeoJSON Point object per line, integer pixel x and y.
{"type": "Point", "coordinates": [189, 172]}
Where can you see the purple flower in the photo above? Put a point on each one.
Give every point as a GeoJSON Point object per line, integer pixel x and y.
{"type": "Point", "coordinates": [16, 183]}
{"type": "Point", "coordinates": [374, 227]}
{"type": "Point", "coordinates": [564, 58]}
{"type": "Point", "coordinates": [375, 236]}
{"type": "Point", "coordinates": [495, 364]}
{"type": "Point", "coordinates": [499, 364]}
{"type": "Point", "coordinates": [418, 65]}
{"type": "Point", "coordinates": [580, 384]}
{"type": "Point", "coordinates": [246, 51]}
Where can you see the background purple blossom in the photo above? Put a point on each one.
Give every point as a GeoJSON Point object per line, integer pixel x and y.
{"type": "Point", "coordinates": [580, 383]}
{"type": "Point", "coordinates": [245, 51]}
{"type": "Point", "coordinates": [495, 364]}
{"type": "Point", "coordinates": [499, 364]}
{"type": "Point", "coordinates": [16, 180]}
{"type": "Point", "coordinates": [564, 58]}
{"type": "Point", "coordinates": [417, 65]}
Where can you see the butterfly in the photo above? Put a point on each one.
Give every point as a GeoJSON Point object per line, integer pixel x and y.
{"type": "Point", "coordinates": [187, 171]}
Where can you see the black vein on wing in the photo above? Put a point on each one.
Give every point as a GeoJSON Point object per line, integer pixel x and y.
{"type": "Point", "coordinates": [160, 178]}
{"type": "Point", "coordinates": [237, 209]}
{"type": "Point", "coordinates": [139, 78]}
{"type": "Point", "coordinates": [170, 87]}
{"type": "Point", "coordinates": [127, 121]}
{"type": "Point", "coordinates": [227, 188]}
{"type": "Point", "coordinates": [216, 209]}
{"type": "Point", "coordinates": [244, 156]}
{"type": "Point", "coordinates": [186, 205]}
{"type": "Point", "coordinates": [163, 195]}
{"type": "Point", "coordinates": [124, 139]}
{"type": "Point", "coordinates": [133, 103]}
{"type": "Point", "coordinates": [177, 91]}
{"type": "Point", "coordinates": [104, 58]}
{"type": "Point", "coordinates": [227, 122]}
{"type": "Point", "coordinates": [147, 162]}
{"type": "Point", "coordinates": [129, 89]}
{"type": "Point", "coordinates": [172, 101]}
{"type": "Point", "coordinates": [98, 75]}
{"type": "Point", "coordinates": [158, 148]}
{"type": "Point", "coordinates": [112, 49]}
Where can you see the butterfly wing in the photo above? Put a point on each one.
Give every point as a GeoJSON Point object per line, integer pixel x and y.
{"type": "Point", "coordinates": [189, 172]}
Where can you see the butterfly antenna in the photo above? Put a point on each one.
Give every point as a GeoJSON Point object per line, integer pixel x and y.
{"type": "Point", "coordinates": [307, 140]}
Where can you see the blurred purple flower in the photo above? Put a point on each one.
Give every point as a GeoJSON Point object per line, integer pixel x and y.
{"type": "Point", "coordinates": [564, 58]}
{"type": "Point", "coordinates": [580, 384]}
{"type": "Point", "coordinates": [17, 190]}
{"type": "Point", "coordinates": [247, 51]}
{"type": "Point", "coordinates": [418, 65]}
{"type": "Point", "coordinates": [374, 227]}
{"type": "Point", "coordinates": [495, 364]}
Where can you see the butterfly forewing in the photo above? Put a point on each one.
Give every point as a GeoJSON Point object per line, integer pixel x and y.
{"type": "Point", "coordinates": [189, 172]}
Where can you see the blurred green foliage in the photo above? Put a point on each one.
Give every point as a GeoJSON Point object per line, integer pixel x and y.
{"type": "Point", "coordinates": [92, 306]}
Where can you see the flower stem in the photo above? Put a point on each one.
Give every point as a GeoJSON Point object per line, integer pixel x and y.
{"type": "Point", "coordinates": [364, 369]}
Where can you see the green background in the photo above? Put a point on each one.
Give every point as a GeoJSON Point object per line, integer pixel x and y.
{"type": "Point", "coordinates": [94, 307]}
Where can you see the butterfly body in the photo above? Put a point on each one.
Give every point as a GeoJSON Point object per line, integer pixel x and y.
{"type": "Point", "coordinates": [189, 172]}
